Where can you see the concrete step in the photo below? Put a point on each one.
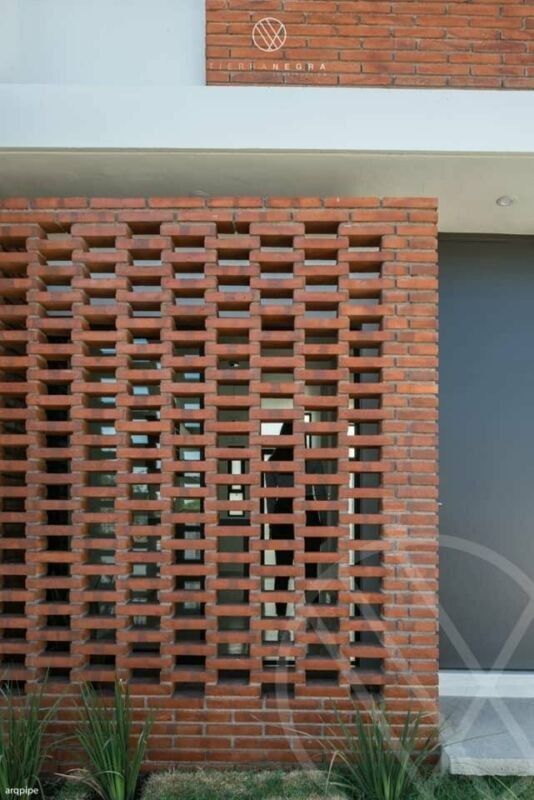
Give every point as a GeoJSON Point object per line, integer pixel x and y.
{"type": "Point", "coordinates": [488, 735]}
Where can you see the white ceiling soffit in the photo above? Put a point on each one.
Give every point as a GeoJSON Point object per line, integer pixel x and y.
{"type": "Point", "coordinates": [467, 186]}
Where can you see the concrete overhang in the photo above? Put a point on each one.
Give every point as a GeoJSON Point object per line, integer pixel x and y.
{"type": "Point", "coordinates": [467, 185]}
{"type": "Point", "coordinates": [468, 148]}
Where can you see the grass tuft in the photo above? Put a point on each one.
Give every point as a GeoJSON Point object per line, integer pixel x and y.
{"type": "Point", "coordinates": [376, 761]}
{"type": "Point", "coordinates": [239, 785]}
{"type": "Point", "coordinates": [457, 787]}
{"type": "Point", "coordinates": [72, 791]}
{"type": "Point", "coordinates": [23, 724]}
{"type": "Point", "coordinates": [106, 736]}
{"type": "Point", "coordinates": [233, 784]}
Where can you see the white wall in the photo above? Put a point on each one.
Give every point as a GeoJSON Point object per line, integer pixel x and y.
{"type": "Point", "coordinates": [266, 118]}
{"type": "Point", "coordinates": [102, 42]}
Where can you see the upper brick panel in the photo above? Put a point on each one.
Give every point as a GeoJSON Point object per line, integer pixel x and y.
{"type": "Point", "coordinates": [481, 45]}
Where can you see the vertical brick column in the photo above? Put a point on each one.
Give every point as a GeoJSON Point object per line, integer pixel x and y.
{"type": "Point", "coordinates": [110, 373]}
{"type": "Point", "coordinates": [410, 585]}
{"type": "Point", "coordinates": [364, 414]}
{"type": "Point", "coordinates": [169, 593]}
{"type": "Point", "coordinates": [32, 534]}
{"type": "Point", "coordinates": [20, 491]}
{"type": "Point", "coordinates": [299, 629]}
{"type": "Point", "coordinates": [208, 464]}
{"type": "Point", "coordinates": [54, 447]}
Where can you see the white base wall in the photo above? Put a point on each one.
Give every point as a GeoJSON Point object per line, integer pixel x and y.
{"type": "Point", "coordinates": [453, 683]}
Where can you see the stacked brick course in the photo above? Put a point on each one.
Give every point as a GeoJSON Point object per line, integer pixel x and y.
{"type": "Point", "coordinates": [218, 462]}
{"type": "Point", "coordinates": [404, 43]}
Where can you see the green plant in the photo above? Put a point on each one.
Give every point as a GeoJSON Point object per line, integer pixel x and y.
{"type": "Point", "coordinates": [105, 734]}
{"type": "Point", "coordinates": [375, 762]}
{"type": "Point", "coordinates": [23, 724]}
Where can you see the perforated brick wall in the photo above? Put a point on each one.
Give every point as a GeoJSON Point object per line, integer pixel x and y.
{"type": "Point", "coordinates": [464, 44]}
{"type": "Point", "coordinates": [218, 462]}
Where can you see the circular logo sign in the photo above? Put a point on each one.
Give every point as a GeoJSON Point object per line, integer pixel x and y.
{"type": "Point", "coordinates": [269, 34]}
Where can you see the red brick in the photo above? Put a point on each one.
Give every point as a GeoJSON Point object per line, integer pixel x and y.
{"type": "Point", "coordinates": [229, 722]}
{"type": "Point", "coordinates": [422, 44]}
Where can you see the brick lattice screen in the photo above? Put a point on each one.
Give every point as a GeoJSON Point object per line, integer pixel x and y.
{"type": "Point", "coordinates": [465, 44]}
{"type": "Point", "coordinates": [219, 461]}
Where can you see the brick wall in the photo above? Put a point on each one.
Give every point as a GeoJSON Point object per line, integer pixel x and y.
{"type": "Point", "coordinates": [482, 45]}
{"type": "Point", "coordinates": [218, 462]}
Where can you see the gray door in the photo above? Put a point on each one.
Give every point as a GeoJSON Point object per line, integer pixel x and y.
{"type": "Point", "coordinates": [487, 452]}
